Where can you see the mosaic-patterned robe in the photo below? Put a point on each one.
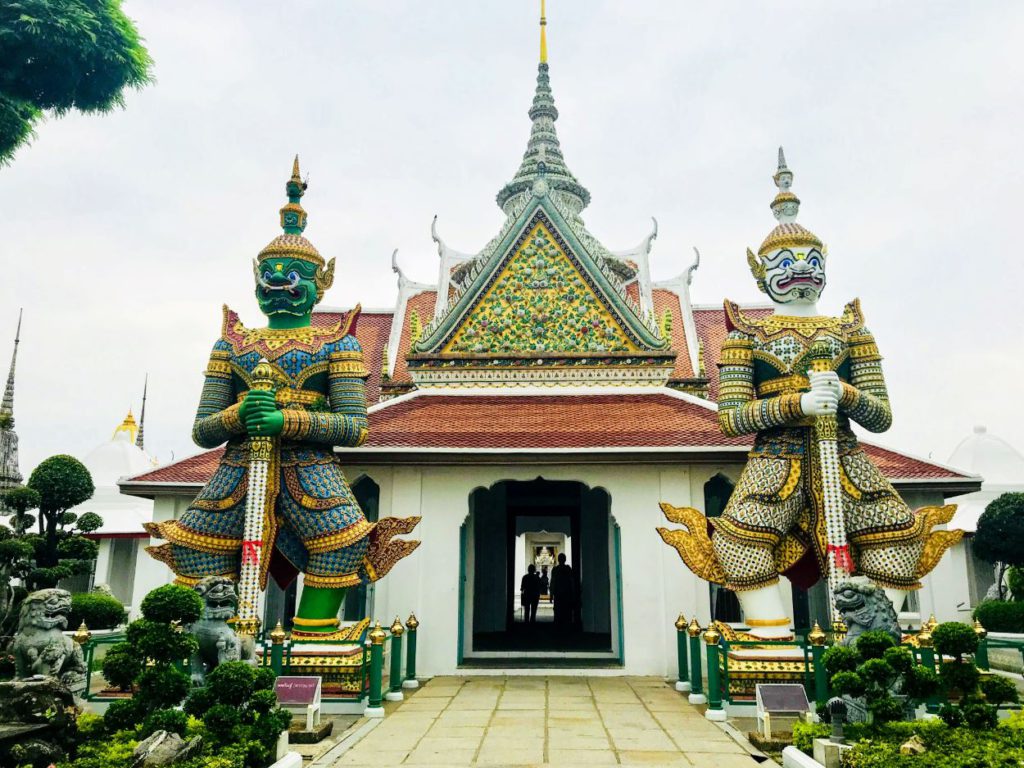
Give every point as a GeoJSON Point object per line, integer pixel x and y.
{"type": "Point", "coordinates": [774, 521]}
{"type": "Point", "coordinates": [314, 523]}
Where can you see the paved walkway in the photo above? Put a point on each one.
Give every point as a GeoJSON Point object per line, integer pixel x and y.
{"type": "Point", "coordinates": [554, 721]}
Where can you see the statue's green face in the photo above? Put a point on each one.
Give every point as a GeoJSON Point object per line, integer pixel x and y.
{"type": "Point", "coordinates": [286, 286]}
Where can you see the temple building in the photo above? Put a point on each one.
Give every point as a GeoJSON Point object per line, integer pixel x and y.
{"type": "Point", "coordinates": [543, 393]}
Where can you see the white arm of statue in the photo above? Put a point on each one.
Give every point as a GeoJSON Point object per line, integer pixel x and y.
{"type": "Point", "coordinates": [824, 395]}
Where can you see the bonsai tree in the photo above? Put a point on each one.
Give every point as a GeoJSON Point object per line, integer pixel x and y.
{"type": "Point", "coordinates": [146, 662]}
{"type": "Point", "coordinates": [880, 673]}
{"type": "Point", "coordinates": [59, 55]}
{"type": "Point", "coordinates": [239, 711]}
{"type": "Point", "coordinates": [59, 547]}
{"type": "Point", "coordinates": [1000, 531]}
{"type": "Point", "coordinates": [977, 700]}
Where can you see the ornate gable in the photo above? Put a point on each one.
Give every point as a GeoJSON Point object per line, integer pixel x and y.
{"type": "Point", "coordinates": [540, 308]}
{"type": "Point", "coordinates": [540, 301]}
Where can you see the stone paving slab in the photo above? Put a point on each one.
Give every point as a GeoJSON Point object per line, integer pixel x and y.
{"type": "Point", "coordinates": [553, 722]}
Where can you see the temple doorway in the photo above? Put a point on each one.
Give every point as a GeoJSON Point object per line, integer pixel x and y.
{"type": "Point", "coordinates": [565, 531]}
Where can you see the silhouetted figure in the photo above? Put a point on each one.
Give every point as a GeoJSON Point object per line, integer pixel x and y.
{"type": "Point", "coordinates": [544, 580]}
{"type": "Point", "coordinates": [563, 593]}
{"type": "Point", "coordinates": [529, 594]}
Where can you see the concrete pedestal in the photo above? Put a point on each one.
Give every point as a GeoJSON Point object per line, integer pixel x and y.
{"type": "Point", "coordinates": [697, 698]}
{"type": "Point", "coordinates": [410, 684]}
{"type": "Point", "coordinates": [394, 696]}
{"type": "Point", "coordinates": [828, 753]}
{"type": "Point", "coordinates": [374, 712]}
{"type": "Point", "coordinates": [683, 687]}
{"type": "Point", "coordinates": [716, 715]}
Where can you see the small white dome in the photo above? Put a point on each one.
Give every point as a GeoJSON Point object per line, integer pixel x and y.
{"type": "Point", "coordinates": [107, 463]}
{"type": "Point", "coordinates": [998, 462]}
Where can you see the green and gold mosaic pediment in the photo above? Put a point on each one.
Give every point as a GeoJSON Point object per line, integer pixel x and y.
{"type": "Point", "coordinates": [539, 302]}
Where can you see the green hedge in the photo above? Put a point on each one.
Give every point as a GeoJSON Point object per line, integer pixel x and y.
{"type": "Point", "coordinates": [999, 616]}
{"type": "Point", "coordinates": [97, 610]}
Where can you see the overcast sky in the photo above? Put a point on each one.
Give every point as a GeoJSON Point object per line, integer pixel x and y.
{"type": "Point", "coordinates": [124, 233]}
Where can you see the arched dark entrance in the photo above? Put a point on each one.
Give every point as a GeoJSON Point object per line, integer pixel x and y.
{"type": "Point", "coordinates": [724, 604]}
{"type": "Point", "coordinates": [574, 520]}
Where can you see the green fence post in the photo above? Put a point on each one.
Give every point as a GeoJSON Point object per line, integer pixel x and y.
{"type": "Point", "coordinates": [411, 625]}
{"type": "Point", "coordinates": [395, 675]}
{"type": "Point", "coordinates": [696, 674]}
{"type": "Point", "coordinates": [683, 681]}
{"type": "Point", "coordinates": [377, 638]}
{"type": "Point", "coordinates": [924, 644]}
{"type": "Point", "coordinates": [816, 637]}
{"type": "Point", "coordinates": [277, 638]}
{"type": "Point", "coordinates": [981, 655]}
{"type": "Point", "coordinates": [714, 711]}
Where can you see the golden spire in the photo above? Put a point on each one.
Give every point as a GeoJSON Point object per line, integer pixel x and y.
{"type": "Point", "coordinates": [295, 170]}
{"type": "Point", "coordinates": [543, 36]}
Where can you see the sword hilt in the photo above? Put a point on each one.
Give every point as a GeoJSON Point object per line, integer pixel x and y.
{"type": "Point", "coordinates": [819, 358]}
{"type": "Point", "coordinates": [263, 376]}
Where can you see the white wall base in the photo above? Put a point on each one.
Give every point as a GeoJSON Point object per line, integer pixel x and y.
{"type": "Point", "coordinates": [394, 696]}
{"type": "Point", "coordinates": [716, 715]}
{"type": "Point", "coordinates": [682, 686]}
{"type": "Point", "coordinates": [697, 698]}
{"type": "Point", "coordinates": [794, 758]}
{"type": "Point", "coordinates": [411, 684]}
{"type": "Point", "coordinates": [374, 712]}
{"type": "Point", "coordinates": [290, 760]}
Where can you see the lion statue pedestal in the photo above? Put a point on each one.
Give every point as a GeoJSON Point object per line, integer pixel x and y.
{"type": "Point", "coordinates": [40, 647]}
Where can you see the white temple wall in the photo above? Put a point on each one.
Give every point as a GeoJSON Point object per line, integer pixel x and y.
{"type": "Point", "coordinates": [656, 586]}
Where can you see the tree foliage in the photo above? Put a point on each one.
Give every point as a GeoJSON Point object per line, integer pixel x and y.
{"type": "Point", "coordinates": [59, 548]}
{"type": "Point", "coordinates": [60, 55]}
{"type": "Point", "coordinates": [1000, 531]}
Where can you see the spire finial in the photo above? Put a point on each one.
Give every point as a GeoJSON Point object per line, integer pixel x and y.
{"type": "Point", "coordinates": [7, 407]}
{"type": "Point", "coordinates": [293, 215]}
{"type": "Point", "coordinates": [543, 35]}
{"type": "Point", "coordinates": [786, 205]}
{"type": "Point", "coordinates": [140, 440]}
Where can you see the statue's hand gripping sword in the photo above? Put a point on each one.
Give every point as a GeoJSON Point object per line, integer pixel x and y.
{"type": "Point", "coordinates": [258, 495]}
{"type": "Point", "coordinates": [840, 563]}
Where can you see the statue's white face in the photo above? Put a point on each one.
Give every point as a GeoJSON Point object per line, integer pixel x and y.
{"type": "Point", "coordinates": [794, 275]}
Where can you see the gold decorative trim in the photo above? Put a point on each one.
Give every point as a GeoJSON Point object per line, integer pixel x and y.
{"type": "Point", "coordinates": [693, 544]}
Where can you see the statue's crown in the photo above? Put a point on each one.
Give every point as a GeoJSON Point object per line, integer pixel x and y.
{"type": "Point", "coordinates": [292, 244]}
{"type": "Point", "coordinates": [785, 206]}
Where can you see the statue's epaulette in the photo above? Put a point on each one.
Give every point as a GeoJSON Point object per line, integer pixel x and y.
{"type": "Point", "coordinates": [735, 320]}
{"type": "Point", "coordinates": [853, 319]}
{"type": "Point", "coordinates": [272, 344]}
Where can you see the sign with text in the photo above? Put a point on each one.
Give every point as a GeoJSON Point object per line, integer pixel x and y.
{"type": "Point", "coordinates": [297, 691]}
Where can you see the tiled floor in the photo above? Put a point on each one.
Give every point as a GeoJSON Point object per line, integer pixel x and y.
{"type": "Point", "coordinates": [555, 721]}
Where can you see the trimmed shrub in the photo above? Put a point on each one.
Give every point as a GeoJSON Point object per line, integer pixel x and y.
{"type": "Point", "coordinates": [873, 644]}
{"type": "Point", "coordinates": [170, 720]}
{"type": "Point", "coordinates": [1015, 581]}
{"type": "Point", "coordinates": [954, 639]}
{"type": "Point", "coordinates": [999, 690]}
{"type": "Point", "coordinates": [123, 715]}
{"type": "Point", "coordinates": [97, 610]}
{"type": "Point", "coordinates": [121, 666]}
{"type": "Point", "coordinates": [172, 603]}
{"type": "Point", "coordinates": [999, 616]}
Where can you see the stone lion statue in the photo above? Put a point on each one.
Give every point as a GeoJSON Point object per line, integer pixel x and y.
{"type": "Point", "coordinates": [865, 607]}
{"type": "Point", "coordinates": [40, 647]}
{"type": "Point", "coordinates": [218, 642]}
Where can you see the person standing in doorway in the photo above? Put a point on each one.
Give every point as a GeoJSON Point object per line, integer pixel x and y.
{"type": "Point", "coordinates": [529, 593]}
{"type": "Point", "coordinates": [563, 593]}
{"type": "Point", "coordinates": [544, 582]}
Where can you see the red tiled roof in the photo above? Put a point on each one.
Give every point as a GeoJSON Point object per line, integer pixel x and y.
{"type": "Point", "coordinates": [422, 303]}
{"type": "Point", "coordinates": [372, 331]}
{"type": "Point", "coordinates": [666, 299]}
{"type": "Point", "coordinates": [548, 422]}
{"type": "Point", "coordinates": [433, 422]}
{"type": "Point", "coordinates": [539, 422]}
{"type": "Point", "coordinates": [194, 469]}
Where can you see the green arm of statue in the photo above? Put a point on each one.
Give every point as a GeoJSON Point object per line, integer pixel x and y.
{"type": "Point", "coordinates": [218, 417]}
{"type": "Point", "coordinates": [345, 424]}
{"type": "Point", "coordinates": [865, 399]}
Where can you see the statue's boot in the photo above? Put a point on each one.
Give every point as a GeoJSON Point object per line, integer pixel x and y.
{"type": "Point", "coordinates": [318, 610]}
{"type": "Point", "coordinates": [764, 611]}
